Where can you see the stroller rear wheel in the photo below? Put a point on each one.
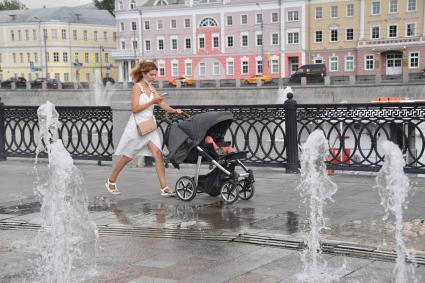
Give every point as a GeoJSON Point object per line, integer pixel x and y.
{"type": "Point", "coordinates": [229, 192]}
{"type": "Point", "coordinates": [246, 190]}
{"type": "Point", "coordinates": [185, 188]}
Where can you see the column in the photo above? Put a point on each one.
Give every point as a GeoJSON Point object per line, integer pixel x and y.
{"type": "Point", "coordinates": [120, 71]}
{"type": "Point", "coordinates": [129, 71]}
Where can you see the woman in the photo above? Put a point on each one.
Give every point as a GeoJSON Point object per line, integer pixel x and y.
{"type": "Point", "coordinates": [143, 99]}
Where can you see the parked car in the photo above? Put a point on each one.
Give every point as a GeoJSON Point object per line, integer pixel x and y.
{"type": "Point", "coordinates": [253, 79]}
{"type": "Point", "coordinates": [19, 81]}
{"type": "Point", "coordinates": [313, 73]}
{"type": "Point", "coordinates": [183, 80]}
{"type": "Point", "coordinates": [50, 83]}
{"type": "Point", "coordinates": [108, 79]}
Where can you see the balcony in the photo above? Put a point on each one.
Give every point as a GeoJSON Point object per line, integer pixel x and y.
{"type": "Point", "coordinates": [391, 41]}
{"type": "Point", "coordinates": [127, 54]}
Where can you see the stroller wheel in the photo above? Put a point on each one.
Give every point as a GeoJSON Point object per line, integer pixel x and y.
{"type": "Point", "coordinates": [229, 192]}
{"type": "Point", "coordinates": [185, 188]}
{"type": "Point", "coordinates": [246, 192]}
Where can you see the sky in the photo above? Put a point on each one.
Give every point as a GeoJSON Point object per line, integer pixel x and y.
{"type": "Point", "coordinates": [33, 4]}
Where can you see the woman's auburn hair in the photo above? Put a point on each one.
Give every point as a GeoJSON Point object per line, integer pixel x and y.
{"type": "Point", "coordinates": [141, 68]}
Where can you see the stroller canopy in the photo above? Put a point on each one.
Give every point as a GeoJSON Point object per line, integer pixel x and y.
{"type": "Point", "coordinates": [183, 136]}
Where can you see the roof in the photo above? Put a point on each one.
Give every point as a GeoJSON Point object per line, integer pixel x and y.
{"type": "Point", "coordinates": [62, 14]}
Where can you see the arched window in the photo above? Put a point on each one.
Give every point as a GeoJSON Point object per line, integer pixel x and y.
{"type": "Point", "coordinates": [132, 4]}
{"type": "Point", "coordinates": [160, 3]}
{"type": "Point", "coordinates": [208, 22]}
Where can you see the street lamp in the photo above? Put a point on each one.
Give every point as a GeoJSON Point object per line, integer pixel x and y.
{"type": "Point", "coordinates": [262, 37]}
{"type": "Point", "coordinates": [45, 49]}
{"type": "Point", "coordinates": [101, 49]}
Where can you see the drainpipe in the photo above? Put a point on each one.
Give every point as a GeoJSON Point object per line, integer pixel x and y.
{"type": "Point", "coordinates": [280, 40]}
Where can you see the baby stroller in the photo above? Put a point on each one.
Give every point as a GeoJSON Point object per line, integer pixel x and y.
{"type": "Point", "coordinates": [200, 139]}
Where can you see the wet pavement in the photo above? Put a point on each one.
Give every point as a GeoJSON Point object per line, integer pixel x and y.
{"type": "Point", "coordinates": [144, 235]}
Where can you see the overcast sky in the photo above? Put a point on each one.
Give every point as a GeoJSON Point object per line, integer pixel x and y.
{"type": "Point", "coordinates": [33, 4]}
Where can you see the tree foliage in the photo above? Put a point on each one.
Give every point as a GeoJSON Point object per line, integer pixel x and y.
{"type": "Point", "coordinates": [12, 5]}
{"type": "Point", "coordinates": [105, 5]}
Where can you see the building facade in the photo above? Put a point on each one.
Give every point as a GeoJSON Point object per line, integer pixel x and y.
{"type": "Point", "coordinates": [67, 44]}
{"type": "Point", "coordinates": [228, 39]}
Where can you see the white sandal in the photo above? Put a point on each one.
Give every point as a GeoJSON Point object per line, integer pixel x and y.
{"type": "Point", "coordinates": [166, 192]}
{"type": "Point", "coordinates": [108, 185]}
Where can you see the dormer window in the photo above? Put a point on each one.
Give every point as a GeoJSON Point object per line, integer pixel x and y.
{"type": "Point", "coordinates": [132, 4]}
{"type": "Point", "coordinates": [12, 17]}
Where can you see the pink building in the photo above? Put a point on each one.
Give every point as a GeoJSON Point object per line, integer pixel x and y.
{"type": "Point", "coordinates": [209, 39]}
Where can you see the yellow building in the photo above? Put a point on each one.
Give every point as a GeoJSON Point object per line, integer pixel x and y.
{"type": "Point", "coordinates": [68, 44]}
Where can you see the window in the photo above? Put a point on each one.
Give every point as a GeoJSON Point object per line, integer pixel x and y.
{"type": "Point", "coordinates": [201, 42]}
{"type": "Point", "coordinates": [411, 29]}
{"type": "Point", "coordinates": [275, 17]}
{"type": "Point", "coordinates": [105, 35]}
{"type": "Point", "coordinates": [66, 77]}
{"type": "Point", "coordinates": [229, 20]}
{"type": "Point", "coordinates": [259, 18]}
{"type": "Point", "coordinates": [21, 57]}
{"type": "Point", "coordinates": [147, 45]}
{"type": "Point", "coordinates": [244, 19]}
{"type": "Point", "coordinates": [114, 36]}
{"type": "Point", "coordinates": [74, 34]}
{"type": "Point", "coordinates": [244, 67]}
{"type": "Point", "coordinates": [27, 35]}
{"type": "Point", "coordinates": [161, 44]}
{"type": "Point", "coordinates": [369, 62]}
{"type": "Point", "coordinates": [413, 59]}
{"type": "Point", "coordinates": [85, 35]}
{"type": "Point", "coordinates": [188, 69]}
{"type": "Point", "coordinates": [28, 57]}
{"type": "Point", "coordinates": [319, 36]}
{"type": "Point", "coordinates": [173, 23]}
{"type": "Point", "coordinates": [293, 16]}
{"type": "Point", "coordinates": [376, 8]}
{"type": "Point", "coordinates": [334, 11]}
{"type": "Point", "coordinates": [19, 35]}
{"type": "Point", "coordinates": [120, 5]}
{"type": "Point", "coordinates": [275, 38]}
{"type": "Point", "coordinates": [230, 41]}
{"type": "Point", "coordinates": [349, 63]}
{"type": "Point", "coordinates": [121, 26]}
{"type": "Point", "coordinates": [86, 57]}
{"type": "Point", "coordinates": [208, 22]}
{"type": "Point", "coordinates": [123, 45]}
{"type": "Point", "coordinates": [293, 38]}
{"type": "Point", "coordinates": [411, 5]}
{"type": "Point", "coordinates": [392, 31]}
{"type": "Point", "coordinates": [95, 36]}
{"type": "Point", "coordinates": [334, 35]}
{"type": "Point", "coordinates": [134, 44]}
{"type": "Point", "coordinates": [259, 66]}
{"type": "Point", "coordinates": [259, 39]}
{"type": "Point", "coordinates": [349, 10]}
{"type": "Point", "coordinates": [45, 33]}
{"type": "Point", "coordinates": [202, 69]}
{"type": "Point", "coordinates": [216, 41]}
{"type": "Point", "coordinates": [147, 25]}
{"type": "Point", "coordinates": [57, 76]}
{"type": "Point", "coordinates": [244, 40]}
{"type": "Point", "coordinates": [14, 57]}
{"type": "Point", "coordinates": [393, 6]}
{"type": "Point", "coordinates": [133, 26]}
{"type": "Point", "coordinates": [48, 56]}
{"type": "Point", "coordinates": [161, 69]}
{"type": "Point", "coordinates": [349, 34]}
{"type": "Point", "coordinates": [132, 4]}
{"type": "Point", "coordinates": [216, 68]}
{"type": "Point", "coordinates": [55, 56]}
{"type": "Point", "coordinates": [34, 34]}
{"type": "Point", "coordinates": [274, 63]}
{"type": "Point", "coordinates": [63, 33]}
{"type": "Point", "coordinates": [174, 69]}
{"type": "Point", "coordinates": [187, 23]}
{"type": "Point", "coordinates": [96, 57]}
{"type": "Point", "coordinates": [54, 34]}
{"type": "Point", "coordinates": [319, 12]}
{"type": "Point", "coordinates": [12, 35]}
{"type": "Point", "coordinates": [88, 77]}
{"type": "Point", "coordinates": [35, 57]}
{"type": "Point", "coordinates": [375, 33]}
{"type": "Point", "coordinates": [107, 57]}
{"type": "Point", "coordinates": [188, 43]}
{"type": "Point", "coordinates": [159, 24]}
{"type": "Point", "coordinates": [334, 63]}
{"type": "Point", "coordinates": [174, 44]}
{"type": "Point", "coordinates": [65, 57]}
{"type": "Point", "coordinates": [230, 67]}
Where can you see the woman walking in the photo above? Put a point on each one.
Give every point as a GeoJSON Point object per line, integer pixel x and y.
{"type": "Point", "coordinates": [143, 99]}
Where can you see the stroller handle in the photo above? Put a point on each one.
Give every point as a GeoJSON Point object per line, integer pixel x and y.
{"type": "Point", "coordinates": [168, 120]}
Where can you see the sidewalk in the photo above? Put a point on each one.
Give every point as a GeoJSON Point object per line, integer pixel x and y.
{"type": "Point", "coordinates": [272, 219]}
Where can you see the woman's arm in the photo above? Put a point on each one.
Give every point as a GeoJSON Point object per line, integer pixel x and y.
{"type": "Point", "coordinates": [164, 105]}
{"type": "Point", "coordinates": [135, 106]}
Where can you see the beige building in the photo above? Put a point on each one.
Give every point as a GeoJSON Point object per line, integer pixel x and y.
{"type": "Point", "coordinates": [68, 44]}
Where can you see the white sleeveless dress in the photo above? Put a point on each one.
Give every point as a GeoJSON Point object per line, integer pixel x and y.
{"type": "Point", "coordinates": [131, 143]}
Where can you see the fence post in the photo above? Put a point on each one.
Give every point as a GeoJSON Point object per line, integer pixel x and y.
{"type": "Point", "coordinates": [2, 133]}
{"type": "Point", "coordinates": [291, 139]}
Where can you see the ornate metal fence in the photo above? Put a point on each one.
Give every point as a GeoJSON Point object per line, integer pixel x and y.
{"type": "Point", "coordinates": [86, 132]}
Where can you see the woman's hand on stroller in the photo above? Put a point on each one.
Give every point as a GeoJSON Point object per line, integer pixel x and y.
{"type": "Point", "coordinates": [178, 111]}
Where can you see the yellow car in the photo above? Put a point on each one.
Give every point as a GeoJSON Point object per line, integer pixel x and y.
{"type": "Point", "coordinates": [253, 79]}
{"type": "Point", "coordinates": [184, 81]}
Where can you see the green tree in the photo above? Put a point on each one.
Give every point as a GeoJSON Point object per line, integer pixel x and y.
{"type": "Point", "coordinates": [105, 5]}
{"type": "Point", "coordinates": [12, 5]}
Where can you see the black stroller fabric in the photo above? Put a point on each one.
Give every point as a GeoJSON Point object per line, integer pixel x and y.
{"type": "Point", "coordinates": [183, 136]}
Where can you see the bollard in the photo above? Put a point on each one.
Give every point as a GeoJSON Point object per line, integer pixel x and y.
{"type": "Point", "coordinates": [178, 84]}
{"type": "Point", "coordinates": [2, 133]}
{"type": "Point", "coordinates": [238, 83]}
{"type": "Point", "coordinates": [44, 85]}
{"type": "Point", "coordinates": [161, 84]}
{"type": "Point", "coordinates": [327, 80]}
{"type": "Point", "coordinates": [291, 138]}
{"type": "Point", "coordinates": [217, 83]}
{"type": "Point", "coordinates": [352, 79]}
{"type": "Point", "coordinates": [259, 83]}
{"type": "Point", "coordinates": [303, 80]}
{"type": "Point", "coordinates": [148, 160]}
{"type": "Point", "coordinates": [13, 85]}
{"type": "Point", "coordinates": [28, 85]}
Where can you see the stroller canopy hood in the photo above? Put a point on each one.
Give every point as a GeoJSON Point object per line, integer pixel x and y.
{"type": "Point", "coordinates": [184, 135]}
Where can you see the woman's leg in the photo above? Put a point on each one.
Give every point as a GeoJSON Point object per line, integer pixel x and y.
{"type": "Point", "coordinates": [119, 165]}
{"type": "Point", "coordinates": [159, 163]}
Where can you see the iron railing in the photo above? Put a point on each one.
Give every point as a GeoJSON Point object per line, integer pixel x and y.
{"type": "Point", "coordinates": [86, 132]}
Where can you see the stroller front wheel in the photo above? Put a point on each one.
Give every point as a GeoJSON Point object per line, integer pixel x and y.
{"type": "Point", "coordinates": [229, 192]}
{"type": "Point", "coordinates": [185, 188]}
